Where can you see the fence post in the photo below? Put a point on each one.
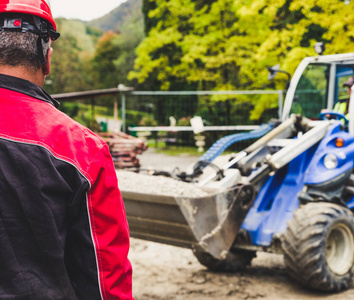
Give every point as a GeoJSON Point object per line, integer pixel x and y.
{"type": "Point", "coordinates": [123, 113]}
{"type": "Point", "coordinates": [280, 104]}
{"type": "Point", "coordinates": [115, 108]}
{"type": "Point", "coordinates": [93, 115]}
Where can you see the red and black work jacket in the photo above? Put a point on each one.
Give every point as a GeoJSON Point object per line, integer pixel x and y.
{"type": "Point", "coordinates": [63, 229]}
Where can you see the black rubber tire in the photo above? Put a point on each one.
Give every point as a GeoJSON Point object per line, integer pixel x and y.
{"type": "Point", "coordinates": [319, 246]}
{"type": "Point", "coordinates": [236, 260]}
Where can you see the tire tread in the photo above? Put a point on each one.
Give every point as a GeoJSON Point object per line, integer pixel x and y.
{"type": "Point", "coordinates": [303, 244]}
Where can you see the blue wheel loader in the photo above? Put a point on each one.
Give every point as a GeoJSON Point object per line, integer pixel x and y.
{"type": "Point", "coordinates": [290, 192]}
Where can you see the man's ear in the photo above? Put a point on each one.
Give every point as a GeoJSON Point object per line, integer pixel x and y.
{"type": "Point", "coordinates": [46, 67]}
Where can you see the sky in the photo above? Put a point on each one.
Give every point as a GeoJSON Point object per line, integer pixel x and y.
{"type": "Point", "coordinates": [84, 10]}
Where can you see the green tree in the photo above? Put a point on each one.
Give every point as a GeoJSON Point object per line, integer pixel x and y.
{"type": "Point", "coordinates": [149, 23]}
{"type": "Point", "coordinates": [114, 56]}
{"type": "Point", "coordinates": [104, 70]}
{"type": "Point", "coordinates": [227, 44]}
{"type": "Point", "coordinates": [70, 68]}
{"type": "Point", "coordinates": [69, 72]}
{"type": "Point", "coordinates": [131, 36]}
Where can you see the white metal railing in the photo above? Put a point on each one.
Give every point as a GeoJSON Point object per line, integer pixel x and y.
{"type": "Point", "coordinates": [190, 128]}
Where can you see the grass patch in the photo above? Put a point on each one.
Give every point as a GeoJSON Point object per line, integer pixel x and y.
{"type": "Point", "coordinates": [174, 150]}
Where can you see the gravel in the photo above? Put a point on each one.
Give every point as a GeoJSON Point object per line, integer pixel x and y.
{"type": "Point", "coordinates": [157, 185]}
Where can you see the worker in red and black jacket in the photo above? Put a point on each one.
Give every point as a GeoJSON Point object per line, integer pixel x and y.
{"type": "Point", "coordinates": [63, 229]}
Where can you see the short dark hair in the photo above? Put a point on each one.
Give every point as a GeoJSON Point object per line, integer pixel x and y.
{"type": "Point", "coordinates": [20, 48]}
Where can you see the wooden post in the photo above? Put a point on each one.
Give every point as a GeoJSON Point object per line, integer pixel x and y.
{"type": "Point", "coordinates": [92, 114]}
{"type": "Point", "coordinates": [115, 114]}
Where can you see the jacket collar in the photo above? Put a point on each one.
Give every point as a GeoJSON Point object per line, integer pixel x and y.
{"type": "Point", "coordinates": [26, 87]}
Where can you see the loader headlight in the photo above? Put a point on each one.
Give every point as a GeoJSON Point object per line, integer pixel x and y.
{"type": "Point", "coordinates": [330, 161]}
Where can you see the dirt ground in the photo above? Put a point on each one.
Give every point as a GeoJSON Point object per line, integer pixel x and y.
{"type": "Point", "coordinates": [164, 272]}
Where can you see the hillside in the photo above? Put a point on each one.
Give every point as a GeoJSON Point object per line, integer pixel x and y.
{"type": "Point", "coordinates": [85, 37]}
{"type": "Point", "coordinates": [119, 19]}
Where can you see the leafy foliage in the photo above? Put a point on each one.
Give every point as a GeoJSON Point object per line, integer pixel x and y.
{"type": "Point", "coordinates": [198, 45]}
{"type": "Point", "coordinates": [114, 58]}
{"type": "Point", "coordinates": [226, 44]}
{"type": "Point", "coordinates": [70, 70]}
{"type": "Point", "coordinates": [102, 63]}
{"type": "Point", "coordinates": [86, 58]}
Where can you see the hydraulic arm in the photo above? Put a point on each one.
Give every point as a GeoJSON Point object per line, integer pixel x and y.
{"type": "Point", "coordinates": [212, 223]}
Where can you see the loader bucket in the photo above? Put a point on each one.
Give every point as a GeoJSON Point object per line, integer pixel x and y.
{"type": "Point", "coordinates": [210, 223]}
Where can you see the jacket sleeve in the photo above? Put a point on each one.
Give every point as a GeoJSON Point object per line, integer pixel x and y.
{"type": "Point", "coordinates": [109, 229]}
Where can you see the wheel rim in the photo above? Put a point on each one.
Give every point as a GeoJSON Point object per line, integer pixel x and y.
{"type": "Point", "coordinates": [340, 249]}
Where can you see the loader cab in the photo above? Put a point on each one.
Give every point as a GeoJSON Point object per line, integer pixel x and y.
{"type": "Point", "coordinates": [318, 84]}
{"type": "Point", "coordinates": [311, 93]}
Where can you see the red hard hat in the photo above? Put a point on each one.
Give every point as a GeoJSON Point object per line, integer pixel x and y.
{"type": "Point", "coordinates": [40, 8]}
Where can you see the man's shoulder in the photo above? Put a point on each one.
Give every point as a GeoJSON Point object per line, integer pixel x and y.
{"type": "Point", "coordinates": [32, 121]}
{"type": "Point", "coordinates": [76, 132]}
{"type": "Point", "coordinates": [75, 143]}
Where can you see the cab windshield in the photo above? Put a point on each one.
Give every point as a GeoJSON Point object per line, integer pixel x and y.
{"type": "Point", "coordinates": [311, 92]}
